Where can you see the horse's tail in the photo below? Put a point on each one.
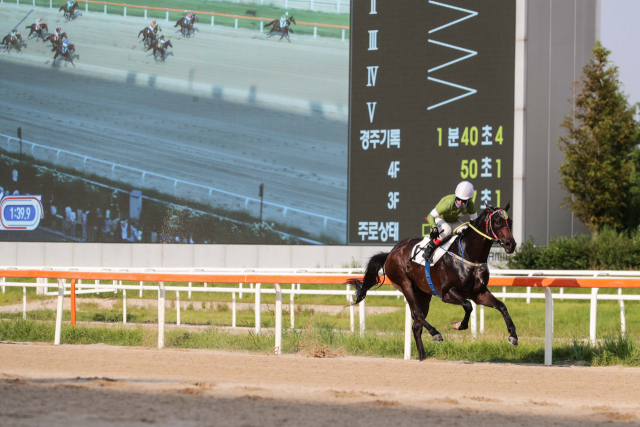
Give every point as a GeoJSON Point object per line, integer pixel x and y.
{"type": "Point", "coordinates": [269, 24]}
{"type": "Point", "coordinates": [177, 23]}
{"type": "Point", "coordinates": [371, 277]}
{"type": "Point", "coordinates": [62, 8]}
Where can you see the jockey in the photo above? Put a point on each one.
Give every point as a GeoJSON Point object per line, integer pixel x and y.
{"type": "Point", "coordinates": [13, 34]}
{"type": "Point", "coordinates": [65, 45]}
{"type": "Point", "coordinates": [283, 19]}
{"type": "Point", "coordinates": [38, 23]}
{"type": "Point", "coordinates": [446, 215]}
{"type": "Point", "coordinates": [161, 39]}
{"type": "Point", "coordinates": [152, 26]}
{"type": "Point", "coordinates": [188, 18]}
{"type": "Point", "coordinates": [57, 33]}
{"type": "Point", "coordinates": [70, 4]}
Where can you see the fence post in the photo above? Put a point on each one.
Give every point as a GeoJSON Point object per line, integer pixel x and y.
{"type": "Point", "coordinates": [233, 309]}
{"type": "Point", "coordinates": [24, 303]}
{"type": "Point", "coordinates": [124, 305]}
{"type": "Point", "coordinates": [310, 4]}
{"type": "Point", "coordinates": [141, 285]}
{"type": "Point", "coordinates": [548, 327]}
{"type": "Point", "coordinates": [86, 7]}
{"type": "Point", "coordinates": [50, 4]}
{"type": "Point", "coordinates": [167, 16]}
{"type": "Point", "coordinates": [34, 3]}
{"type": "Point", "coordinates": [125, 11]}
{"type": "Point", "coordinates": [623, 322]}
{"type": "Point", "coordinates": [58, 333]}
{"type": "Point", "coordinates": [240, 293]}
{"type": "Point", "coordinates": [482, 320]}
{"type": "Point", "coordinates": [257, 308]}
{"type": "Point", "coordinates": [474, 320]}
{"type": "Point", "coordinates": [343, 34]}
{"type": "Point", "coordinates": [528, 297]}
{"type": "Point", "coordinates": [178, 308]}
{"type": "Point", "coordinates": [315, 32]}
{"type": "Point", "coordinates": [362, 317]}
{"type": "Point", "coordinates": [145, 14]}
{"type": "Point", "coordinates": [236, 23]}
{"type": "Point", "coordinates": [286, 4]}
{"type": "Point", "coordinates": [161, 300]}
{"type": "Point", "coordinates": [278, 346]}
{"type": "Point", "coordinates": [293, 287]}
{"type": "Point", "coordinates": [407, 331]}
{"type": "Point", "coordinates": [337, 6]}
{"type": "Point", "coordinates": [593, 318]}
{"type": "Point", "coordinates": [261, 26]}
{"type": "Point", "coordinates": [212, 19]}
{"type": "Point", "coordinates": [189, 293]}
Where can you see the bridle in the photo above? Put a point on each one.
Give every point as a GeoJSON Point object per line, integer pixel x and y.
{"type": "Point", "coordinates": [489, 226]}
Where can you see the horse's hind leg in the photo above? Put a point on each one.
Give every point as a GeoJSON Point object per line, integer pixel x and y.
{"type": "Point", "coordinates": [424, 300]}
{"type": "Point", "coordinates": [453, 297]}
{"type": "Point", "coordinates": [488, 300]}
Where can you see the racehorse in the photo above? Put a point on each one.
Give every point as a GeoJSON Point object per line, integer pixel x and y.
{"type": "Point", "coordinates": [148, 36]}
{"type": "Point", "coordinates": [162, 48]}
{"type": "Point", "coordinates": [276, 27]}
{"type": "Point", "coordinates": [182, 22]}
{"type": "Point", "coordinates": [460, 275]}
{"type": "Point", "coordinates": [8, 42]}
{"type": "Point", "coordinates": [32, 27]}
{"type": "Point", "coordinates": [55, 41]}
{"type": "Point", "coordinates": [67, 55]}
{"type": "Point", "coordinates": [69, 13]}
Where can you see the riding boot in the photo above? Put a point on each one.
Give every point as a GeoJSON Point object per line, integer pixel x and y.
{"type": "Point", "coordinates": [428, 251]}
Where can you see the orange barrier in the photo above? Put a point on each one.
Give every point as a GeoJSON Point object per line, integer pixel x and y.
{"type": "Point", "coordinates": [208, 13]}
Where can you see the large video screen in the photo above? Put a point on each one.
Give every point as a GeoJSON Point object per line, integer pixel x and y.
{"type": "Point", "coordinates": [229, 128]}
{"type": "Point", "coordinates": [251, 121]}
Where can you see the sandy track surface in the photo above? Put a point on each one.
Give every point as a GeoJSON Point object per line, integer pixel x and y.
{"type": "Point", "coordinates": [104, 385]}
{"type": "Point", "coordinates": [228, 108]}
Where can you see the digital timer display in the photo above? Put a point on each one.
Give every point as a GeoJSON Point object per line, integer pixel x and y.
{"type": "Point", "coordinates": [19, 213]}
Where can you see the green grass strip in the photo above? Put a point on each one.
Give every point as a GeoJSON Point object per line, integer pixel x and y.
{"type": "Point", "coordinates": [321, 339]}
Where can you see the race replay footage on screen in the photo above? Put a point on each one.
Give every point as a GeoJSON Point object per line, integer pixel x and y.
{"type": "Point", "coordinates": [330, 127]}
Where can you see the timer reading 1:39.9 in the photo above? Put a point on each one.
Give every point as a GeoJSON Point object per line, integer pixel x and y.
{"type": "Point", "coordinates": [19, 213]}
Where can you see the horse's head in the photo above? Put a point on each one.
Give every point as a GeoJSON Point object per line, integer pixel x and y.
{"type": "Point", "coordinates": [168, 43]}
{"type": "Point", "coordinates": [292, 20]}
{"type": "Point", "coordinates": [19, 37]}
{"type": "Point", "coordinates": [195, 18]}
{"type": "Point", "coordinates": [498, 226]}
{"type": "Point", "coordinates": [63, 36]}
{"type": "Point", "coordinates": [45, 27]}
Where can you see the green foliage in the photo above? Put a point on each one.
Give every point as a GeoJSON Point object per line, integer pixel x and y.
{"type": "Point", "coordinates": [609, 250]}
{"type": "Point", "coordinates": [601, 134]}
{"type": "Point", "coordinates": [631, 218]}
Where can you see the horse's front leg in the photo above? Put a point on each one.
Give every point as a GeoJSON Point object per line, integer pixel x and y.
{"type": "Point", "coordinates": [488, 300]}
{"type": "Point", "coordinates": [453, 297]}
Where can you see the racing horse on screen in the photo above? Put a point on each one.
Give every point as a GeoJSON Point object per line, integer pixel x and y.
{"type": "Point", "coordinates": [69, 12]}
{"type": "Point", "coordinates": [12, 42]}
{"type": "Point", "coordinates": [279, 28]}
{"type": "Point", "coordinates": [461, 274]}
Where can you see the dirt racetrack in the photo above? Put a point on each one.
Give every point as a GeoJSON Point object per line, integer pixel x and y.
{"type": "Point", "coordinates": [100, 385]}
{"type": "Point", "coordinates": [228, 109]}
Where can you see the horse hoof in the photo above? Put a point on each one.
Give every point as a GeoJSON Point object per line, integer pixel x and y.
{"type": "Point", "coordinates": [422, 357]}
{"type": "Point", "coordinates": [513, 341]}
{"type": "Point", "coordinates": [437, 338]}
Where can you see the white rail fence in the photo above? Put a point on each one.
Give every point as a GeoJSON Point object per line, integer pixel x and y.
{"type": "Point", "coordinates": [245, 201]}
{"type": "Point", "coordinates": [63, 288]}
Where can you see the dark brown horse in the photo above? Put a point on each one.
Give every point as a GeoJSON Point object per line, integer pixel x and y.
{"type": "Point", "coordinates": [148, 36]}
{"type": "Point", "coordinates": [69, 13]}
{"type": "Point", "coordinates": [188, 27]}
{"type": "Point", "coordinates": [278, 28]}
{"type": "Point", "coordinates": [39, 31]}
{"type": "Point", "coordinates": [162, 48]}
{"type": "Point", "coordinates": [55, 40]}
{"type": "Point", "coordinates": [458, 276]}
{"type": "Point", "coordinates": [68, 55]}
{"type": "Point", "coordinates": [10, 42]}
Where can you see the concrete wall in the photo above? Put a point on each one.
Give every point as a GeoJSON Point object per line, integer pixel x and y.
{"type": "Point", "coordinates": [198, 256]}
{"type": "Point", "coordinates": [560, 36]}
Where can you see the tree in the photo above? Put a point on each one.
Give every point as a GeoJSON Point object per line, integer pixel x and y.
{"type": "Point", "coordinates": [601, 134]}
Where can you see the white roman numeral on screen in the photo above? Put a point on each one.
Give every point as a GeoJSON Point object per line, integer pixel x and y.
{"type": "Point", "coordinates": [373, 39]}
{"type": "Point", "coordinates": [373, 8]}
{"type": "Point", "coordinates": [372, 110]}
{"type": "Point", "coordinates": [373, 73]}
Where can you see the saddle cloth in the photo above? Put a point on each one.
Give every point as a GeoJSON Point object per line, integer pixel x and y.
{"type": "Point", "coordinates": [417, 251]}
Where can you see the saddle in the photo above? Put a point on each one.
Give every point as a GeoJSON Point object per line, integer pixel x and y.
{"type": "Point", "coordinates": [418, 250]}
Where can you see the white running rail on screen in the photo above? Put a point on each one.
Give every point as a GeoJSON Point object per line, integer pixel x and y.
{"type": "Point", "coordinates": [161, 288]}
{"type": "Point", "coordinates": [247, 200]}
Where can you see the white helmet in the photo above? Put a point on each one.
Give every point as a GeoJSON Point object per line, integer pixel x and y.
{"type": "Point", "coordinates": [464, 190]}
{"type": "Point", "coordinates": [286, 14]}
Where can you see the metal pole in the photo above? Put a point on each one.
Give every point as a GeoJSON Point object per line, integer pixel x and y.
{"type": "Point", "coordinates": [58, 333]}
{"type": "Point", "coordinates": [167, 16]}
{"type": "Point", "coordinates": [125, 11]}
{"type": "Point", "coordinates": [161, 300]}
{"type": "Point", "coordinates": [362, 318]}
{"type": "Point", "coordinates": [593, 318]}
{"type": "Point", "coordinates": [278, 346]}
{"type": "Point", "coordinates": [315, 32]}
{"type": "Point", "coordinates": [261, 26]}
{"type": "Point", "coordinates": [212, 17]}
{"type": "Point", "coordinates": [623, 323]}
{"type": "Point", "coordinates": [141, 285]}
{"type": "Point", "coordinates": [407, 331]}
{"type": "Point", "coordinates": [189, 291]}
{"type": "Point", "coordinates": [145, 14]}
{"type": "Point", "coordinates": [240, 293]}
{"type": "Point", "coordinates": [343, 34]}
{"type": "Point", "coordinates": [293, 287]}
{"type": "Point", "coordinates": [474, 320]}
{"type": "Point", "coordinates": [105, 9]}
{"type": "Point", "coordinates": [548, 327]}
{"type": "Point", "coordinates": [233, 310]}
{"type": "Point", "coordinates": [178, 308]}
{"type": "Point", "coordinates": [236, 23]}
{"type": "Point", "coordinates": [257, 308]}
{"type": "Point", "coordinates": [24, 303]}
